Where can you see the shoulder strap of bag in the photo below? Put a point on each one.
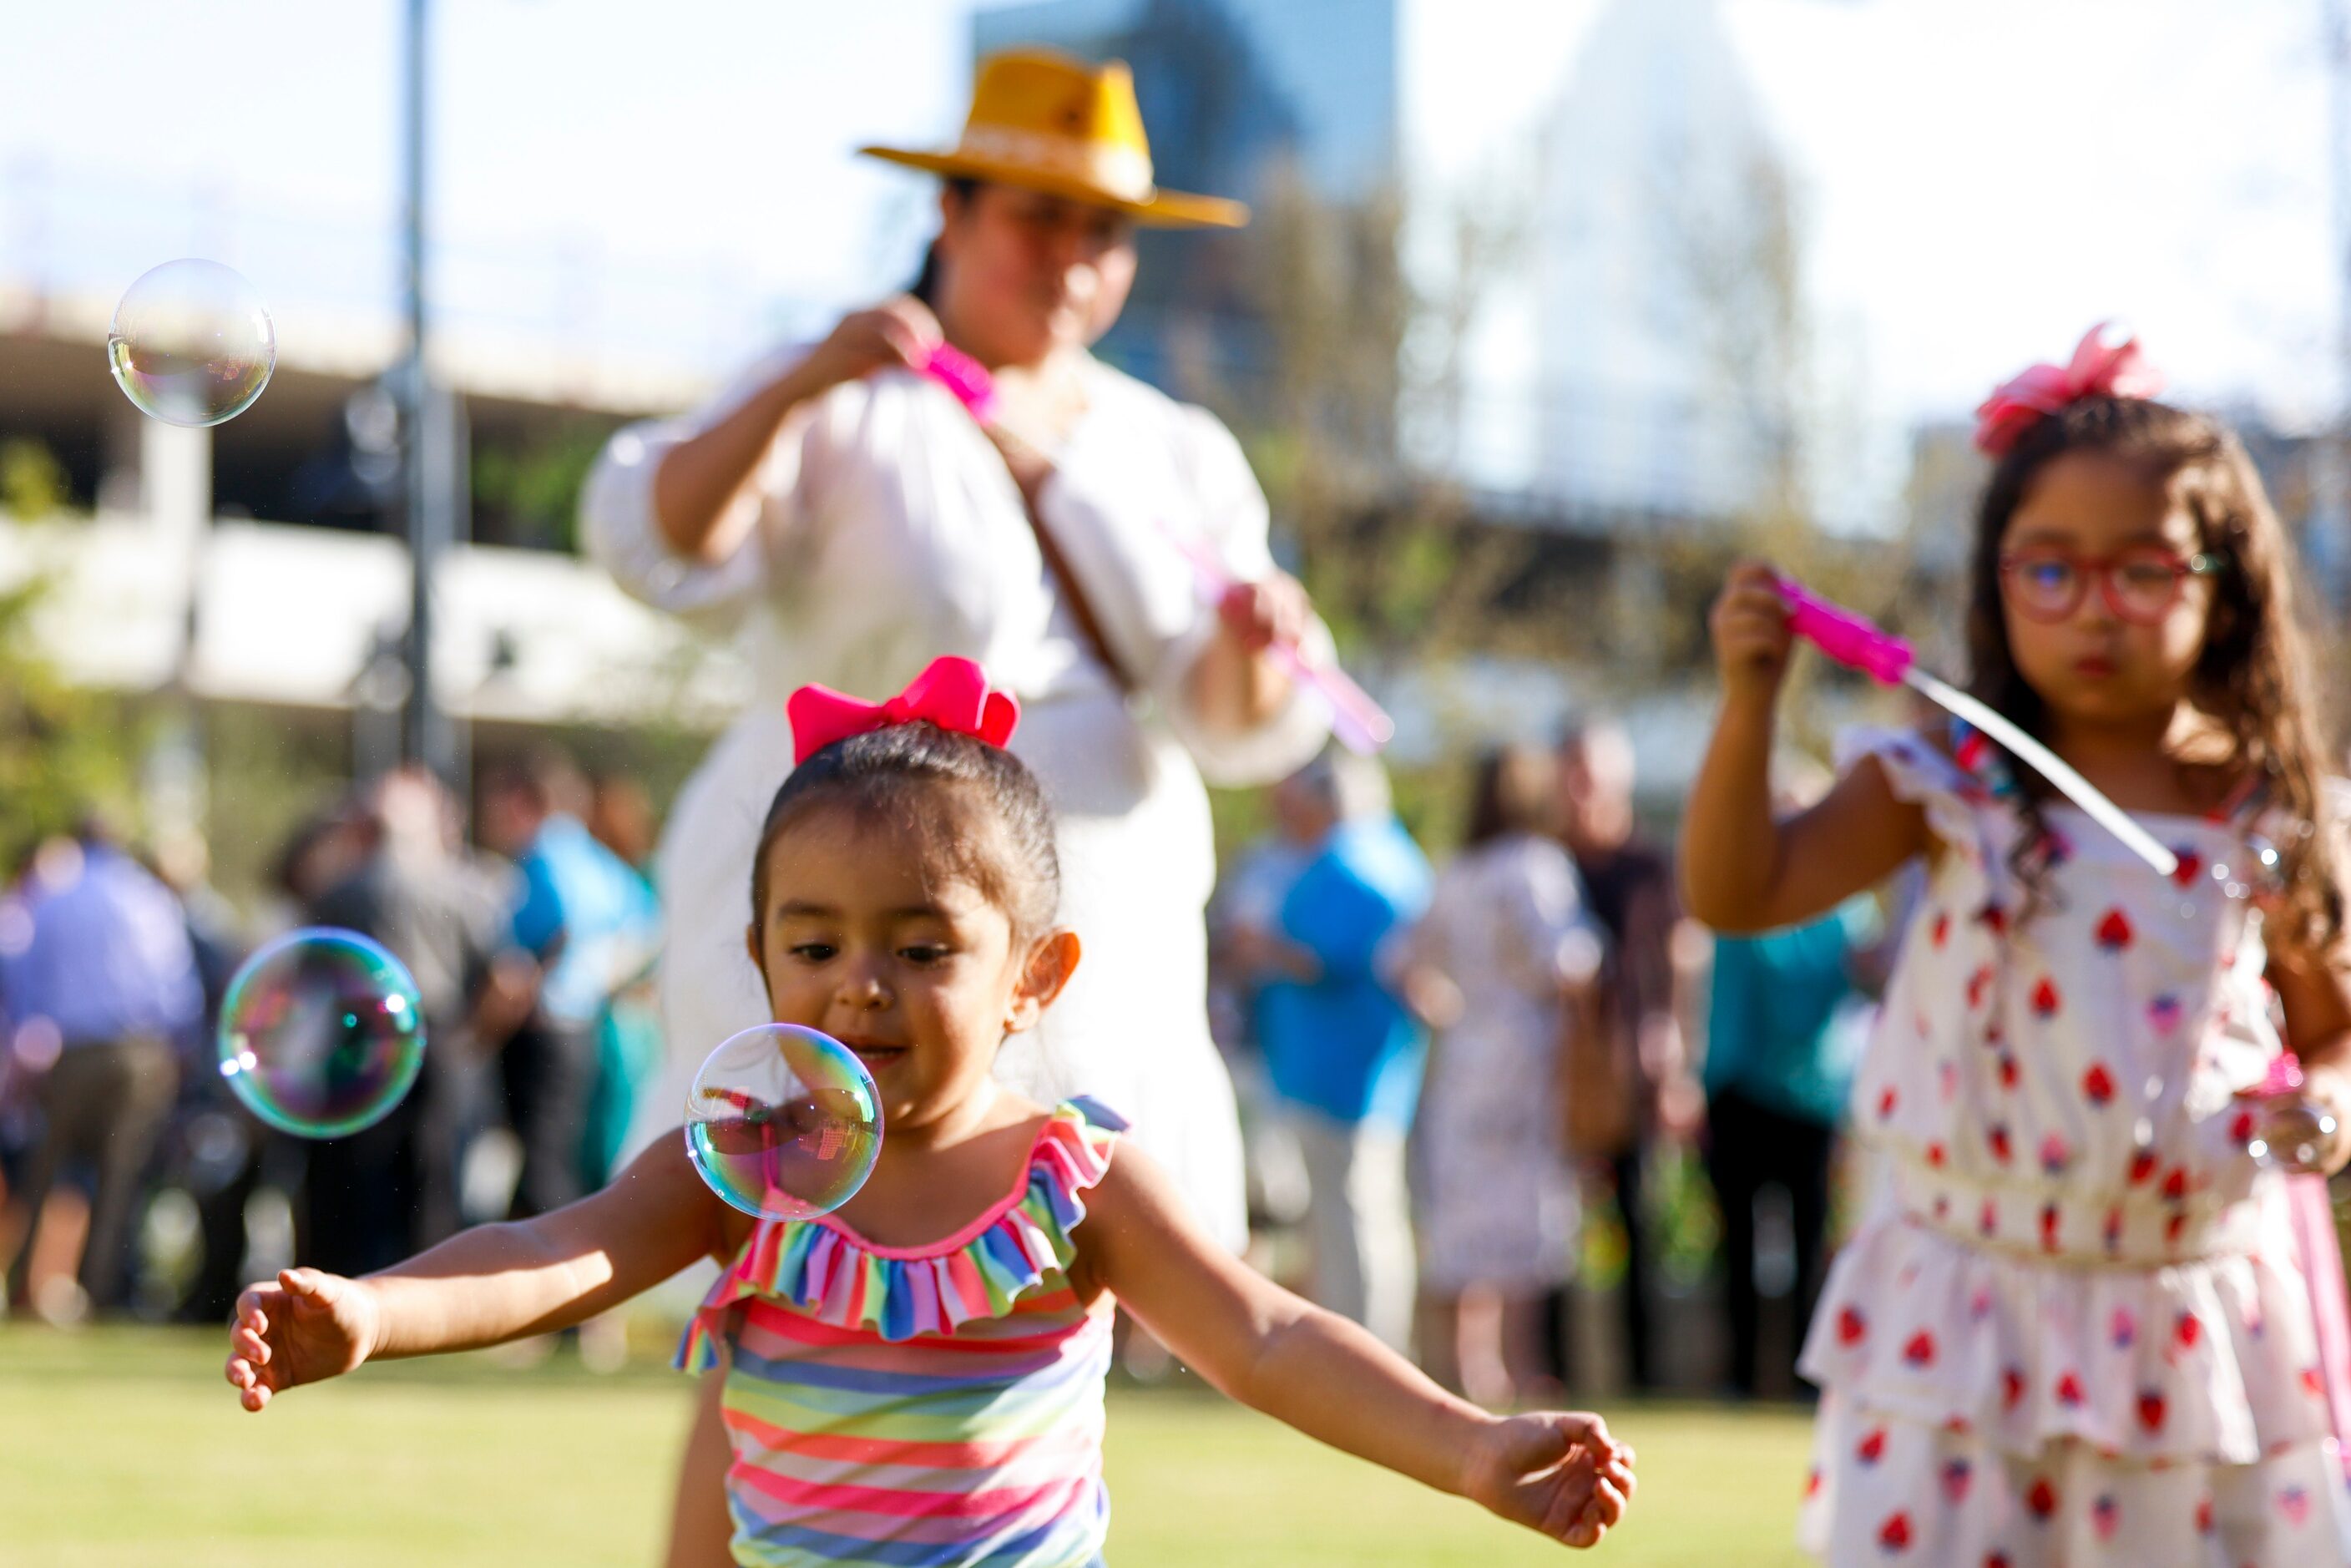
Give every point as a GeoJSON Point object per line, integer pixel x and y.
{"type": "Point", "coordinates": [1073, 593]}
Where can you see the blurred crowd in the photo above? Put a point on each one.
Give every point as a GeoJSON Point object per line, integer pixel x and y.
{"type": "Point", "coordinates": [132, 1181]}
{"type": "Point", "coordinates": [1520, 1110]}
{"type": "Point", "coordinates": [1506, 1114]}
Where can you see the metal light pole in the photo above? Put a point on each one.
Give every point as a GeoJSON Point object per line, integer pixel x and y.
{"type": "Point", "coordinates": [429, 477]}
{"type": "Point", "coordinates": [2330, 525]}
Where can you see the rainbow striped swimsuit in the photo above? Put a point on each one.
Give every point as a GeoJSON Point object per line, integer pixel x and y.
{"type": "Point", "coordinates": [920, 1407]}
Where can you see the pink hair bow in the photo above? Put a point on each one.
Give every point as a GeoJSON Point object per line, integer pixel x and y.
{"type": "Point", "coordinates": [952, 694]}
{"type": "Point", "coordinates": [2096, 369]}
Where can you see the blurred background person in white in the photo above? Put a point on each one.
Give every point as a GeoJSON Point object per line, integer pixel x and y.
{"type": "Point", "coordinates": [1505, 946]}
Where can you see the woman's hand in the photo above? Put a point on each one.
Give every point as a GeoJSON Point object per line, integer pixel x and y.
{"type": "Point", "coordinates": [1750, 623]}
{"type": "Point", "coordinates": [1557, 1472]}
{"type": "Point", "coordinates": [1237, 683]}
{"type": "Point", "coordinates": [897, 334]}
{"type": "Point", "coordinates": [308, 1327]}
{"type": "Point", "coordinates": [1272, 610]}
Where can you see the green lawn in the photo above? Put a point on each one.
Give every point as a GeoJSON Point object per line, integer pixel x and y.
{"type": "Point", "coordinates": [123, 1447]}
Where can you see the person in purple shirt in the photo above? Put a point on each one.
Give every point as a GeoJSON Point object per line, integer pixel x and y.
{"type": "Point", "coordinates": [96, 979]}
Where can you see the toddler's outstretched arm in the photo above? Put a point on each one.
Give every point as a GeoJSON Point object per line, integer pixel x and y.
{"type": "Point", "coordinates": [1742, 870]}
{"type": "Point", "coordinates": [492, 1284]}
{"type": "Point", "coordinates": [1558, 1472]}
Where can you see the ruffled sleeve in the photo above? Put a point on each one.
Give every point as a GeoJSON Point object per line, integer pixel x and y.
{"type": "Point", "coordinates": [827, 1271]}
{"type": "Point", "coordinates": [619, 528]}
{"type": "Point", "coordinates": [1924, 777]}
{"type": "Point", "coordinates": [1147, 603]}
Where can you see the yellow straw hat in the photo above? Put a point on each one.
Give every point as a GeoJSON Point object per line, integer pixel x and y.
{"type": "Point", "coordinates": [1044, 121]}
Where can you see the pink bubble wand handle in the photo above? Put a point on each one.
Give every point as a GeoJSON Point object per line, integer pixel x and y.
{"type": "Point", "coordinates": [1845, 637]}
{"type": "Point", "coordinates": [1853, 641]}
{"type": "Point", "coordinates": [966, 377]}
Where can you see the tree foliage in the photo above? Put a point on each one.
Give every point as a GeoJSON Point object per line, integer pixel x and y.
{"type": "Point", "coordinates": [64, 750]}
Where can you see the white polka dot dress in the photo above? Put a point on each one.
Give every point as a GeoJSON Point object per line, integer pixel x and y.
{"type": "Point", "coordinates": [2071, 1328]}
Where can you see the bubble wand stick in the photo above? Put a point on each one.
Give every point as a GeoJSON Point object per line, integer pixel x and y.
{"type": "Point", "coordinates": [1360, 723]}
{"type": "Point", "coordinates": [1860, 644]}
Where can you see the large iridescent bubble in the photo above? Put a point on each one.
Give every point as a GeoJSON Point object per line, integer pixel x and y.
{"type": "Point", "coordinates": [190, 343]}
{"type": "Point", "coordinates": [321, 1033]}
{"type": "Point", "coordinates": [783, 1122]}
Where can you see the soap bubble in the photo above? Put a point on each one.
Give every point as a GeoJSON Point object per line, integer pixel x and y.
{"type": "Point", "coordinates": [783, 1122]}
{"type": "Point", "coordinates": [321, 1033]}
{"type": "Point", "coordinates": [190, 343]}
{"type": "Point", "coordinates": [2293, 1136]}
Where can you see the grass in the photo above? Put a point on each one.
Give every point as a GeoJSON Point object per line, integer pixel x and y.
{"type": "Point", "coordinates": [123, 1445]}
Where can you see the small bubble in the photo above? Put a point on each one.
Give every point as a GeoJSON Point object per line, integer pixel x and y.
{"type": "Point", "coordinates": [309, 1041]}
{"type": "Point", "coordinates": [783, 1122]}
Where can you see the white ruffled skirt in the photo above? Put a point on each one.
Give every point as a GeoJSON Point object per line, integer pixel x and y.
{"type": "Point", "coordinates": [1988, 1402]}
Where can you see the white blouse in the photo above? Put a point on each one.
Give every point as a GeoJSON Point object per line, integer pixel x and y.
{"type": "Point", "coordinates": [883, 529]}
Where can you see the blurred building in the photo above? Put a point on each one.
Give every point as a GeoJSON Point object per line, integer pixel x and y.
{"type": "Point", "coordinates": [1657, 256]}
{"type": "Point", "coordinates": [1662, 269]}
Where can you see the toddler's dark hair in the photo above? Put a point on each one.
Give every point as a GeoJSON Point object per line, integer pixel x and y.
{"type": "Point", "coordinates": [947, 788]}
{"type": "Point", "coordinates": [2253, 675]}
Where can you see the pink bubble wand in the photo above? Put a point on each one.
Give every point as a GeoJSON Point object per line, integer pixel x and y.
{"type": "Point", "coordinates": [1861, 645]}
{"type": "Point", "coordinates": [1361, 725]}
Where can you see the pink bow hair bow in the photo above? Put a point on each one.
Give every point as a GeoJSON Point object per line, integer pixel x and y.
{"type": "Point", "coordinates": [2096, 369]}
{"type": "Point", "coordinates": [952, 694]}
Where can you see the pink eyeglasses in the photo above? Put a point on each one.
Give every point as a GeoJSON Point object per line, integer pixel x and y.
{"type": "Point", "coordinates": [2139, 584]}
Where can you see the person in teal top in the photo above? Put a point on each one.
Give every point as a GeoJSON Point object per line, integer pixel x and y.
{"type": "Point", "coordinates": [1784, 1029]}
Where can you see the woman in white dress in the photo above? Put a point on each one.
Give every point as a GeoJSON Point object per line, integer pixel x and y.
{"type": "Point", "coordinates": [1505, 946]}
{"type": "Point", "coordinates": [849, 516]}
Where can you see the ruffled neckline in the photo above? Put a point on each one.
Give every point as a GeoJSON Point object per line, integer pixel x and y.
{"type": "Point", "coordinates": [820, 1267]}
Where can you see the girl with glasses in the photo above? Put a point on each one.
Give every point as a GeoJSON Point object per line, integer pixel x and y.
{"type": "Point", "coordinates": [2074, 1326]}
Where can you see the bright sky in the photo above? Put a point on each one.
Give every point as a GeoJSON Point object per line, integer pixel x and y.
{"type": "Point", "coordinates": [1983, 177]}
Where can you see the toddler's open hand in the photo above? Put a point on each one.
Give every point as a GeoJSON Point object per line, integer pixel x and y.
{"type": "Point", "coordinates": [308, 1326]}
{"type": "Point", "coordinates": [1557, 1472]}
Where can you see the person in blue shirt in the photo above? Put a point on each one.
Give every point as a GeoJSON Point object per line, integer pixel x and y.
{"type": "Point", "coordinates": [1785, 1023]}
{"type": "Point", "coordinates": [96, 979]}
{"type": "Point", "coordinates": [1344, 1053]}
{"type": "Point", "coordinates": [590, 922]}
